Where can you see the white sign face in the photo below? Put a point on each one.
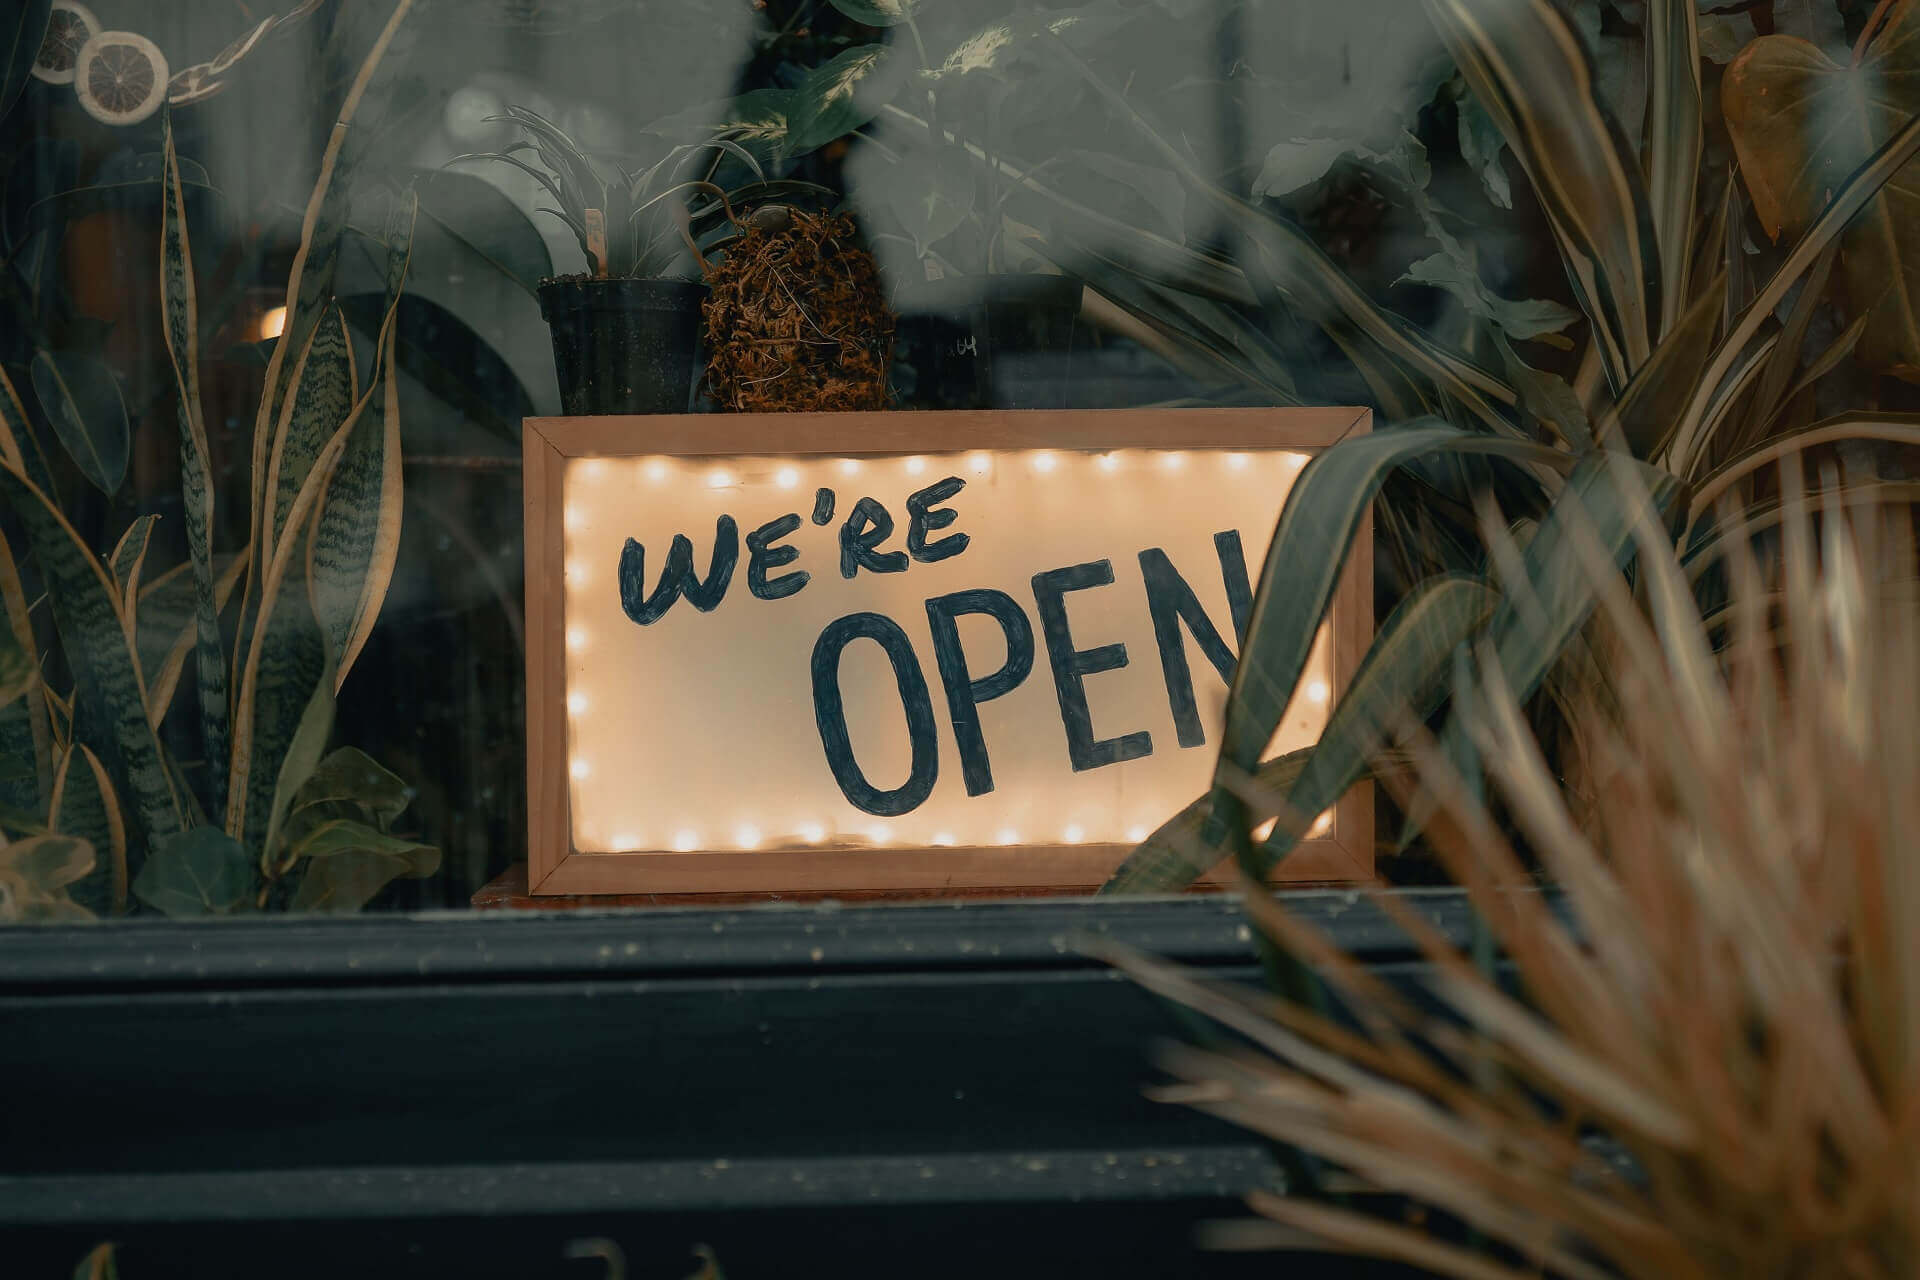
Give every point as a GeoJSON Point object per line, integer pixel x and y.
{"type": "Point", "coordinates": [984, 649]}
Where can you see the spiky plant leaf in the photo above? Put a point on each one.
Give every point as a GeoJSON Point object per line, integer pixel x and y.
{"type": "Point", "coordinates": [83, 804]}
{"type": "Point", "coordinates": [356, 532]}
{"type": "Point", "coordinates": [92, 627]}
{"type": "Point", "coordinates": [1323, 514]}
{"type": "Point", "coordinates": [1408, 665]}
{"type": "Point", "coordinates": [1676, 140]}
{"type": "Point", "coordinates": [181, 331]}
{"type": "Point", "coordinates": [25, 743]}
{"type": "Point", "coordinates": [1529, 68]}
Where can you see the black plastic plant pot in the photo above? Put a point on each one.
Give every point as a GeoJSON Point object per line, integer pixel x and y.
{"type": "Point", "coordinates": [623, 346]}
{"type": "Point", "coordinates": [987, 342]}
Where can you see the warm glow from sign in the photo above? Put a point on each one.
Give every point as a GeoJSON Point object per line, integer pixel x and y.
{"type": "Point", "coordinates": [1024, 654]}
{"type": "Point", "coordinates": [273, 323]}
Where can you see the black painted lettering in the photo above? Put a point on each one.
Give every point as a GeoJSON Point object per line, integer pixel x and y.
{"type": "Point", "coordinates": [1071, 667]}
{"type": "Point", "coordinates": [925, 514]}
{"type": "Point", "coordinates": [830, 715]}
{"type": "Point", "coordinates": [964, 693]}
{"type": "Point", "coordinates": [1172, 604]}
{"type": "Point", "coordinates": [763, 554]}
{"type": "Point", "coordinates": [677, 578]}
{"type": "Point", "coordinates": [822, 506]}
{"type": "Point", "coordinates": [868, 525]}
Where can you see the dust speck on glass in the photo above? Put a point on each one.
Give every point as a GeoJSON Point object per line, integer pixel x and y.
{"type": "Point", "coordinates": [279, 282]}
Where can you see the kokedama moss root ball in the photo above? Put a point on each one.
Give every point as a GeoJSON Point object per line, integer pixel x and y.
{"type": "Point", "coordinates": [797, 319]}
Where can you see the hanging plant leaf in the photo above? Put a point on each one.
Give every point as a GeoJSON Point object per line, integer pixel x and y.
{"type": "Point", "coordinates": [200, 872]}
{"type": "Point", "coordinates": [840, 96]}
{"type": "Point", "coordinates": [1526, 319]}
{"type": "Point", "coordinates": [1801, 122]}
{"type": "Point", "coordinates": [81, 398]}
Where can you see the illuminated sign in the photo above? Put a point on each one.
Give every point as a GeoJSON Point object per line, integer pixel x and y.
{"type": "Point", "coordinates": [900, 650]}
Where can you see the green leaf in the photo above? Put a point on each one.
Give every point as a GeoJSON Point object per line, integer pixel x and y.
{"type": "Point", "coordinates": [1481, 147]}
{"type": "Point", "coordinates": [1322, 515]}
{"type": "Point", "coordinates": [1404, 672]}
{"type": "Point", "coordinates": [351, 776]}
{"type": "Point", "coordinates": [26, 745]}
{"type": "Point", "coordinates": [21, 34]}
{"type": "Point", "coordinates": [450, 361]}
{"type": "Point", "coordinates": [1675, 143]}
{"type": "Point", "coordinates": [348, 863]}
{"type": "Point", "coordinates": [81, 398]}
{"type": "Point", "coordinates": [356, 532]}
{"type": "Point", "coordinates": [325, 388]}
{"type": "Point", "coordinates": [879, 13]}
{"type": "Point", "coordinates": [1524, 320]}
{"type": "Point", "coordinates": [302, 756]}
{"type": "Point", "coordinates": [1530, 69]}
{"type": "Point", "coordinates": [931, 194]}
{"type": "Point", "coordinates": [478, 216]}
{"type": "Point", "coordinates": [35, 874]}
{"type": "Point", "coordinates": [107, 681]}
{"type": "Point", "coordinates": [1688, 442]}
{"type": "Point", "coordinates": [129, 556]}
{"type": "Point", "coordinates": [838, 97]}
{"type": "Point", "coordinates": [201, 872]}
{"type": "Point", "coordinates": [181, 330]}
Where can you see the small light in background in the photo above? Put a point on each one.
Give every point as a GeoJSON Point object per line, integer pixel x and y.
{"type": "Point", "coordinates": [1322, 824]}
{"type": "Point", "coordinates": [686, 841]}
{"type": "Point", "coordinates": [916, 465]}
{"type": "Point", "coordinates": [1109, 462]}
{"type": "Point", "coordinates": [979, 463]}
{"type": "Point", "coordinates": [943, 839]}
{"type": "Point", "coordinates": [747, 836]}
{"type": "Point", "coordinates": [719, 478]}
{"type": "Point", "coordinates": [787, 478]}
{"type": "Point", "coordinates": [1265, 829]}
{"type": "Point", "coordinates": [1173, 461]}
{"type": "Point", "coordinates": [1074, 834]}
{"type": "Point", "coordinates": [273, 323]}
{"type": "Point", "coordinates": [1007, 835]}
{"type": "Point", "coordinates": [849, 466]}
{"type": "Point", "coordinates": [1317, 691]}
{"type": "Point", "coordinates": [1237, 461]}
{"type": "Point", "coordinates": [1136, 834]}
{"type": "Point", "coordinates": [657, 470]}
{"type": "Point", "coordinates": [580, 769]}
{"type": "Point", "coordinates": [577, 703]}
{"type": "Point", "coordinates": [813, 833]}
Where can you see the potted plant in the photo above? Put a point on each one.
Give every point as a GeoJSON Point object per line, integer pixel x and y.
{"type": "Point", "coordinates": [625, 330]}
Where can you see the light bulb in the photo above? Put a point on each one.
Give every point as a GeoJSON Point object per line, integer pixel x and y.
{"type": "Point", "coordinates": [686, 841]}
{"type": "Point", "coordinates": [580, 769]}
{"type": "Point", "coordinates": [1074, 834]}
{"type": "Point", "coordinates": [1044, 462]}
{"type": "Point", "coordinates": [916, 465]}
{"type": "Point", "coordinates": [787, 478]}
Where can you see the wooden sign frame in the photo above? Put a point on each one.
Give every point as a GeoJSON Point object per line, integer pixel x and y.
{"type": "Point", "coordinates": [1343, 853]}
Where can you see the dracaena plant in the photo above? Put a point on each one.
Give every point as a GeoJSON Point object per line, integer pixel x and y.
{"type": "Point", "coordinates": [651, 222]}
{"type": "Point", "coordinates": [1695, 375]}
{"type": "Point", "coordinates": [1701, 1063]}
{"type": "Point", "coordinates": [270, 629]}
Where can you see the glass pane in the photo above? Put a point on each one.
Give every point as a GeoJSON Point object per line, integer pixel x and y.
{"type": "Point", "coordinates": [281, 284]}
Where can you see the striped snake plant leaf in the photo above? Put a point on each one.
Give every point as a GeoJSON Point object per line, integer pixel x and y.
{"type": "Point", "coordinates": [1676, 140]}
{"type": "Point", "coordinates": [84, 804]}
{"type": "Point", "coordinates": [129, 556]}
{"type": "Point", "coordinates": [1323, 515]}
{"type": "Point", "coordinates": [26, 745]}
{"type": "Point", "coordinates": [310, 285]}
{"type": "Point", "coordinates": [167, 627]}
{"type": "Point", "coordinates": [1530, 69]}
{"type": "Point", "coordinates": [1407, 666]}
{"type": "Point", "coordinates": [86, 612]}
{"type": "Point", "coordinates": [302, 756]}
{"type": "Point", "coordinates": [326, 384]}
{"type": "Point", "coordinates": [17, 673]}
{"type": "Point", "coordinates": [81, 398]}
{"type": "Point", "coordinates": [1689, 439]}
{"type": "Point", "coordinates": [286, 662]}
{"type": "Point", "coordinates": [181, 330]}
{"type": "Point", "coordinates": [356, 534]}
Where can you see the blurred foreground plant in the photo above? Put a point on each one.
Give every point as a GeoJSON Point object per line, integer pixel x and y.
{"type": "Point", "coordinates": [1713, 1065]}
